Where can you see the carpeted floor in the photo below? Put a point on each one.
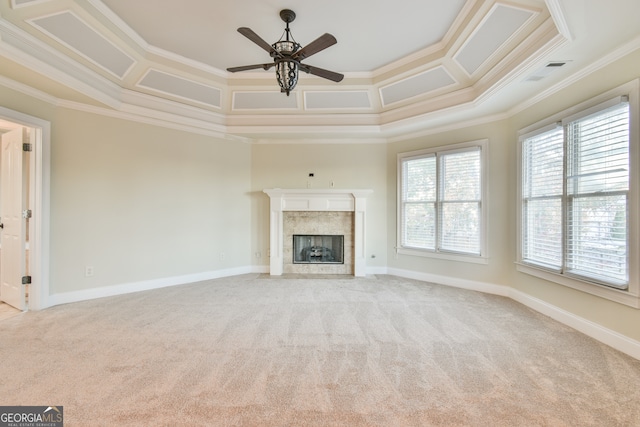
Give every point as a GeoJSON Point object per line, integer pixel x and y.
{"type": "Point", "coordinates": [6, 311]}
{"type": "Point", "coordinates": [260, 351]}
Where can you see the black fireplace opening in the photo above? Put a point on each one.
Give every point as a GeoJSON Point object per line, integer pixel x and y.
{"type": "Point", "coordinates": [315, 249]}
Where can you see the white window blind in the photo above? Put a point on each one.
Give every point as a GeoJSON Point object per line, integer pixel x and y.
{"type": "Point", "coordinates": [542, 183]}
{"type": "Point", "coordinates": [441, 201]}
{"type": "Point", "coordinates": [575, 190]}
{"type": "Point", "coordinates": [460, 202]}
{"type": "Point", "coordinates": [597, 192]}
{"type": "Point", "coordinates": [419, 189]}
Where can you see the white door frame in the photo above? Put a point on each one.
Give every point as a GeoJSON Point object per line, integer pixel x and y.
{"type": "Point", "coordinates": [39, 182]}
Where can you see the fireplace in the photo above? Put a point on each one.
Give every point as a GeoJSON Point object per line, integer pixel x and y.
{"type": "Point", "coordinates": [319, 245]}
{"type": "Point", "coordinates": [328, 212]}
{"type": "Point", "coordinates": [318, 249]}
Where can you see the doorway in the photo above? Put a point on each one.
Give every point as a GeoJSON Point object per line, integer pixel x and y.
{"type": "Point", "coordinates": [30, 243]}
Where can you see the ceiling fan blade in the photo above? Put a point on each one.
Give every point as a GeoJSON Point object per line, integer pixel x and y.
{"type": "Point", "coordinates": [251, 35]}
{"type": "Point", "coordinates": [321, 43]}
{"type": "Point", "coordinates": [250, 67]}
{"type": "Point", "coordinates": [321, 72]}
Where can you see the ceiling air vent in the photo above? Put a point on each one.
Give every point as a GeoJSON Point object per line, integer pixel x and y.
{"type": "Point", "coordinates": [545, 71]}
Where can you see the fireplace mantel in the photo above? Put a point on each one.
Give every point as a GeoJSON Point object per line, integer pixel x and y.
{"type": "Point", "coordinates": [330, 200]}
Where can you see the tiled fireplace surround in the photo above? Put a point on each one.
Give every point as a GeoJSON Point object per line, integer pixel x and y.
{"type": "Point", "coordinates": [310, 211]}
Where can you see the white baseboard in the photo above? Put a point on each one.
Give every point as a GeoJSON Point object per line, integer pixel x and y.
{"type": "Point", "coordinates": [473, 285]}
{"type": "Point", "coordinates": [260, 269]}
{"type": "Point", "coordinates": [146, 285]}
{"type": "Point", "coordinates": [598, 332]}
{"type": "Point", "coordinates": [376, 270]}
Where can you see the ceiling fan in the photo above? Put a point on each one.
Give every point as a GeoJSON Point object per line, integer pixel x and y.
{"type": "Point", "coordinates": [288, 54]}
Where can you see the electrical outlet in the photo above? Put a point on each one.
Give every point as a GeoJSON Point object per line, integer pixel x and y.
{"type": "Point", "coordinates": [331, 184]}
{"type": "Point", "coordinates": [222, 255]}
{"type": "Point", "coordinates": [88, 271]}
{"type": "Point", "coordinates": [258, 255]}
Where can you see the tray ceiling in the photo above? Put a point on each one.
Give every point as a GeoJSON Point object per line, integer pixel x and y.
{"type": "Point", "coordinates": [405, 62]}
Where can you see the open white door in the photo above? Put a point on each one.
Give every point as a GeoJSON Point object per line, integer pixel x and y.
{"type": "Point", "coordinates": [13, 231]}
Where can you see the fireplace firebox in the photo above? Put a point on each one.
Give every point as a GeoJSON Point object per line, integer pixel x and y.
{"type": "Point", "coordinates": [318, 249]}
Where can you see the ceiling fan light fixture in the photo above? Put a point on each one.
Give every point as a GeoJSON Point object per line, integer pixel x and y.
{"type": "Point", "coordinates": [286, 47]}
{"type": "Point", "coordinates": [288, 55]}
{"type": "Point", "coordinates": [287, 75]}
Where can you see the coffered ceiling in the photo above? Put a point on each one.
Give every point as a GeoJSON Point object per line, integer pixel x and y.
{"type": "Point", "coordinates": [409, 65]}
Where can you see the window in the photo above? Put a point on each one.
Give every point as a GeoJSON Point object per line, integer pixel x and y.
{"type": "Point", "coordinates": [575, 196]}
{"type": "Point", "coordinates": [441, 201]}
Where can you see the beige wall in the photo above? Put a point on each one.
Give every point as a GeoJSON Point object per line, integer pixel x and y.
{"type": "Point", "coordinates": [349, 166]}
{"type": "Point", "coordinates": [500, 232]}
{"type": "Point", "coordinates": [618, 317]}
{"type": "Point", "coordinates": [140, 202]}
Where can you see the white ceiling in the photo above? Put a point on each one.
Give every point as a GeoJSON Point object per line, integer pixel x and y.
{"type": "Point", "coordinates": [370, 34]}
{"type": "Point", "coordinates": [409, 65]}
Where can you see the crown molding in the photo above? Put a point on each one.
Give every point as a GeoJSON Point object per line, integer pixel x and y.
{"type": "Point", "coordinates": [28, 90]}
{"type": "Point", "coordinates": [24, 49]}
{"type": "Point", "coordinates": [558, 15]}
{"type": "Point", "coordinates": [144, 115]}
{"type": "Point", "coordinates": [434, 130]}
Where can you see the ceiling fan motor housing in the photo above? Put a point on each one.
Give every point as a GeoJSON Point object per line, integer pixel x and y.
{"type": "Point", "coordinates": [287, 15]}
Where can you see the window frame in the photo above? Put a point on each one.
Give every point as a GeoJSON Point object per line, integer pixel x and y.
{"type": "Point", "coordinates": [482, 146]}
{"type": "Point", "coordinates": [631, 295]}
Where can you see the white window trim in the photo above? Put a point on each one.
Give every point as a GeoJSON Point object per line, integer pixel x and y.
{"type": "Point", "coordinates": [483, 258]}
{"type": "Point", "coordinates": [630, 296]}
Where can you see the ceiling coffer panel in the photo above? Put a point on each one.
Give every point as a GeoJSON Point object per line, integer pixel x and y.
{"type": "Point", "coordinates": [420, 84]}
{"type": "Point", "coordinates": [188, 90]}
{"type": "Point", "coordinates": [20, 3]}
{"type": "Point", "coordinates": [68, 29]}
{"type": "Point", "coordinates": [263, 101]}
{"type": "Point", "coordinates": [500, 24]}
{"type": "Point", "coordinates": [337, 100]}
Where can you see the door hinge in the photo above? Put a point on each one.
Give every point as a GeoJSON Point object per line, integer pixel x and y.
{"type": "Point", "coordinates": [26, 214]}
{"type": "Point", "coordinates": [26, 280]}
{"type": "Point", "coordinates": [26, 146]}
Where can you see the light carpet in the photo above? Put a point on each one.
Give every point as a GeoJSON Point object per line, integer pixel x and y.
{"type": "Point", "coordinates": [260, 351]}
